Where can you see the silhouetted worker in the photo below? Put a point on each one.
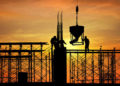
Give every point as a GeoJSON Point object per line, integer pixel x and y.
{"type": "Point", "coordinates": [54, 42]}
{"type": "Point", "coordinates": [86, 44]}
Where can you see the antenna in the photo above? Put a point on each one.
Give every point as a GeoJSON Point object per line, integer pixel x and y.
{"type": "Point", "coordinates": [77, 9]}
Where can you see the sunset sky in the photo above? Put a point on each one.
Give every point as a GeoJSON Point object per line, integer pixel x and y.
{"type": "Point", "coordinates": [36, 20]}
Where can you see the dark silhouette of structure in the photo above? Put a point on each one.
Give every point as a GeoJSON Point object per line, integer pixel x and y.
{"type": "Point", "coordinates": [59, 58]}
{"type": "Point", "coordinates": [22, 77]}
{"type": "Point", "coordinates": [35, 66]}
{"type": "Point", "coordinates": [81, 67]}
{"type": "Point", "coordinates": [18, 58]}
{"type": "Point", "coordinates": [96, 66]}
{"type": "Point", "coordinates": [87, 43]}
{"type": "Point", "coordinates": [77, 32]}
{"type": "Point", "coordinates": [61, 42]}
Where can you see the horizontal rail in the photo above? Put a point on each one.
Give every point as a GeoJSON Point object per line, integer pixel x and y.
{"type": "Point", "coordinates": [26, 56]}
{"type": "Point", "coordinates": [24, 43]}
{"type": "Point", "coordinates": [93, 51]}
{"type": "Point", "coordinates": [21, 51]}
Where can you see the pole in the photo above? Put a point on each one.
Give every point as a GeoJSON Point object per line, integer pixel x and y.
{"type": "Point", "coordinates": [93, 67]}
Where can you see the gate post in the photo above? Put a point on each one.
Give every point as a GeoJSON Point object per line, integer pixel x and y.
{"type": "Point", "coordinates": [59, 66]}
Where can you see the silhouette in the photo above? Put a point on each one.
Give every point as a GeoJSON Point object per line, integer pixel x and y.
{"type": "Point", "coordinates": [22, 77]}
{"type": "Point", "coordinates": [54, 42]}
{"type": "Point", "coordinates": [59, 56]}
{"type": "Point", "coordinates": [55, 64]}
{"type": "Point", "coordinates": [76, 31]}
{"type": "Point", "coordinates": [61, 42]}
{"type": "Point", "coordinates": [86, 43]}
{"type": "Point", "coordinates": [73, 41]}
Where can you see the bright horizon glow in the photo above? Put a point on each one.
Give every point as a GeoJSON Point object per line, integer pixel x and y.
{"type": "Point", "coordinates": [36, 20]}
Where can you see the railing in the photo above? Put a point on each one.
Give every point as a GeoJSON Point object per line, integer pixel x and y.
{"type": "Point", "coordinates": [93, 66]}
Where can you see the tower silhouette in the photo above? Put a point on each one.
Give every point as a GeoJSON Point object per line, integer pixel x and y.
{"type": "Point", "coordinates": [60, 30]}
{"type": "Point", "coordinates": [59, 59]}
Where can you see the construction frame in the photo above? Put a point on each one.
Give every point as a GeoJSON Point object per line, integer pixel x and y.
{"type": "Point", "coordinates": [96, 66]}
{"type": "Point", "coordinates": [29, 57]}
{"type": "Point", "coordinates": [33, 58]}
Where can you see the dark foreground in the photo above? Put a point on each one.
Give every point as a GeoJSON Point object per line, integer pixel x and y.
{"type": "Point", "coordinates": [51, 84]}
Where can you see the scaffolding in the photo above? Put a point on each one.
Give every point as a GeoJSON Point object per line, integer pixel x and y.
{"type": "Point", "coordinates": [29, 57]}
{"type": "Point", "coordinates": [95, 66]}
{"type": "Point", "coordinates": [35, 59]}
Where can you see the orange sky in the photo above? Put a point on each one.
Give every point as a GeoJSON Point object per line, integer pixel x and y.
{"type": "Point", "coordinates": [35, 20]}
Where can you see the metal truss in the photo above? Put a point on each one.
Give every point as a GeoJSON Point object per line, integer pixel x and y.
{"type": "Point", "coordinates": [29, 57]}
{"type": "Point", "coordinates": [95, 66]}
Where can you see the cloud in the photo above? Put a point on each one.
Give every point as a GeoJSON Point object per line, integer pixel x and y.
{"type": "Point", "coordinates": [21, 18]}
{"type": "Point", "coordinates": [65, 1]}
{"type": "Point", "coordinates": [14, 1]}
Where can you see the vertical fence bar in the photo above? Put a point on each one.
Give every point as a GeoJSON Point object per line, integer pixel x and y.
{"type": "Point", "coordinates": [74, 68]}
{"type": "Point", "coordinates": [103, 77]}
{"type": "Point", "coordinates": [46, 68]}
{"type": "Point", "coordinates": [70, 67]}
{"type": "Point", "coordinates": [31, 47]}
{"type": "Point", "coordinates": [108, 75]}
{"type": "Point", "coordinates": [17, 69]}
{"type": "Point", "coordinates": [92, 66]}
{"type": "Point", "coordinates": [41, 62]}
{"type": "Point", "coordinates": [5, 61]}
{"type": "Point", "coordinates": [34, 64]}
{"type": "Point", "coordinates": [77, 67]}
{"type": "Point", "coordinates": [19, 59]}
{"type": "Point", "coordinates": [100, 66]}
{"type": "Point", "coordinates": [9, 64]}
{"type": "Point", "coordinates": [114, 66]}
{"type": "Point", "coordinates": [1, 66]}
{"type": "Point", "coordinates": [82, 64]}
{"type": "Point", "coordinates": [85, 77]}
{"type": "Point", "coordinates": [50, 59]}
